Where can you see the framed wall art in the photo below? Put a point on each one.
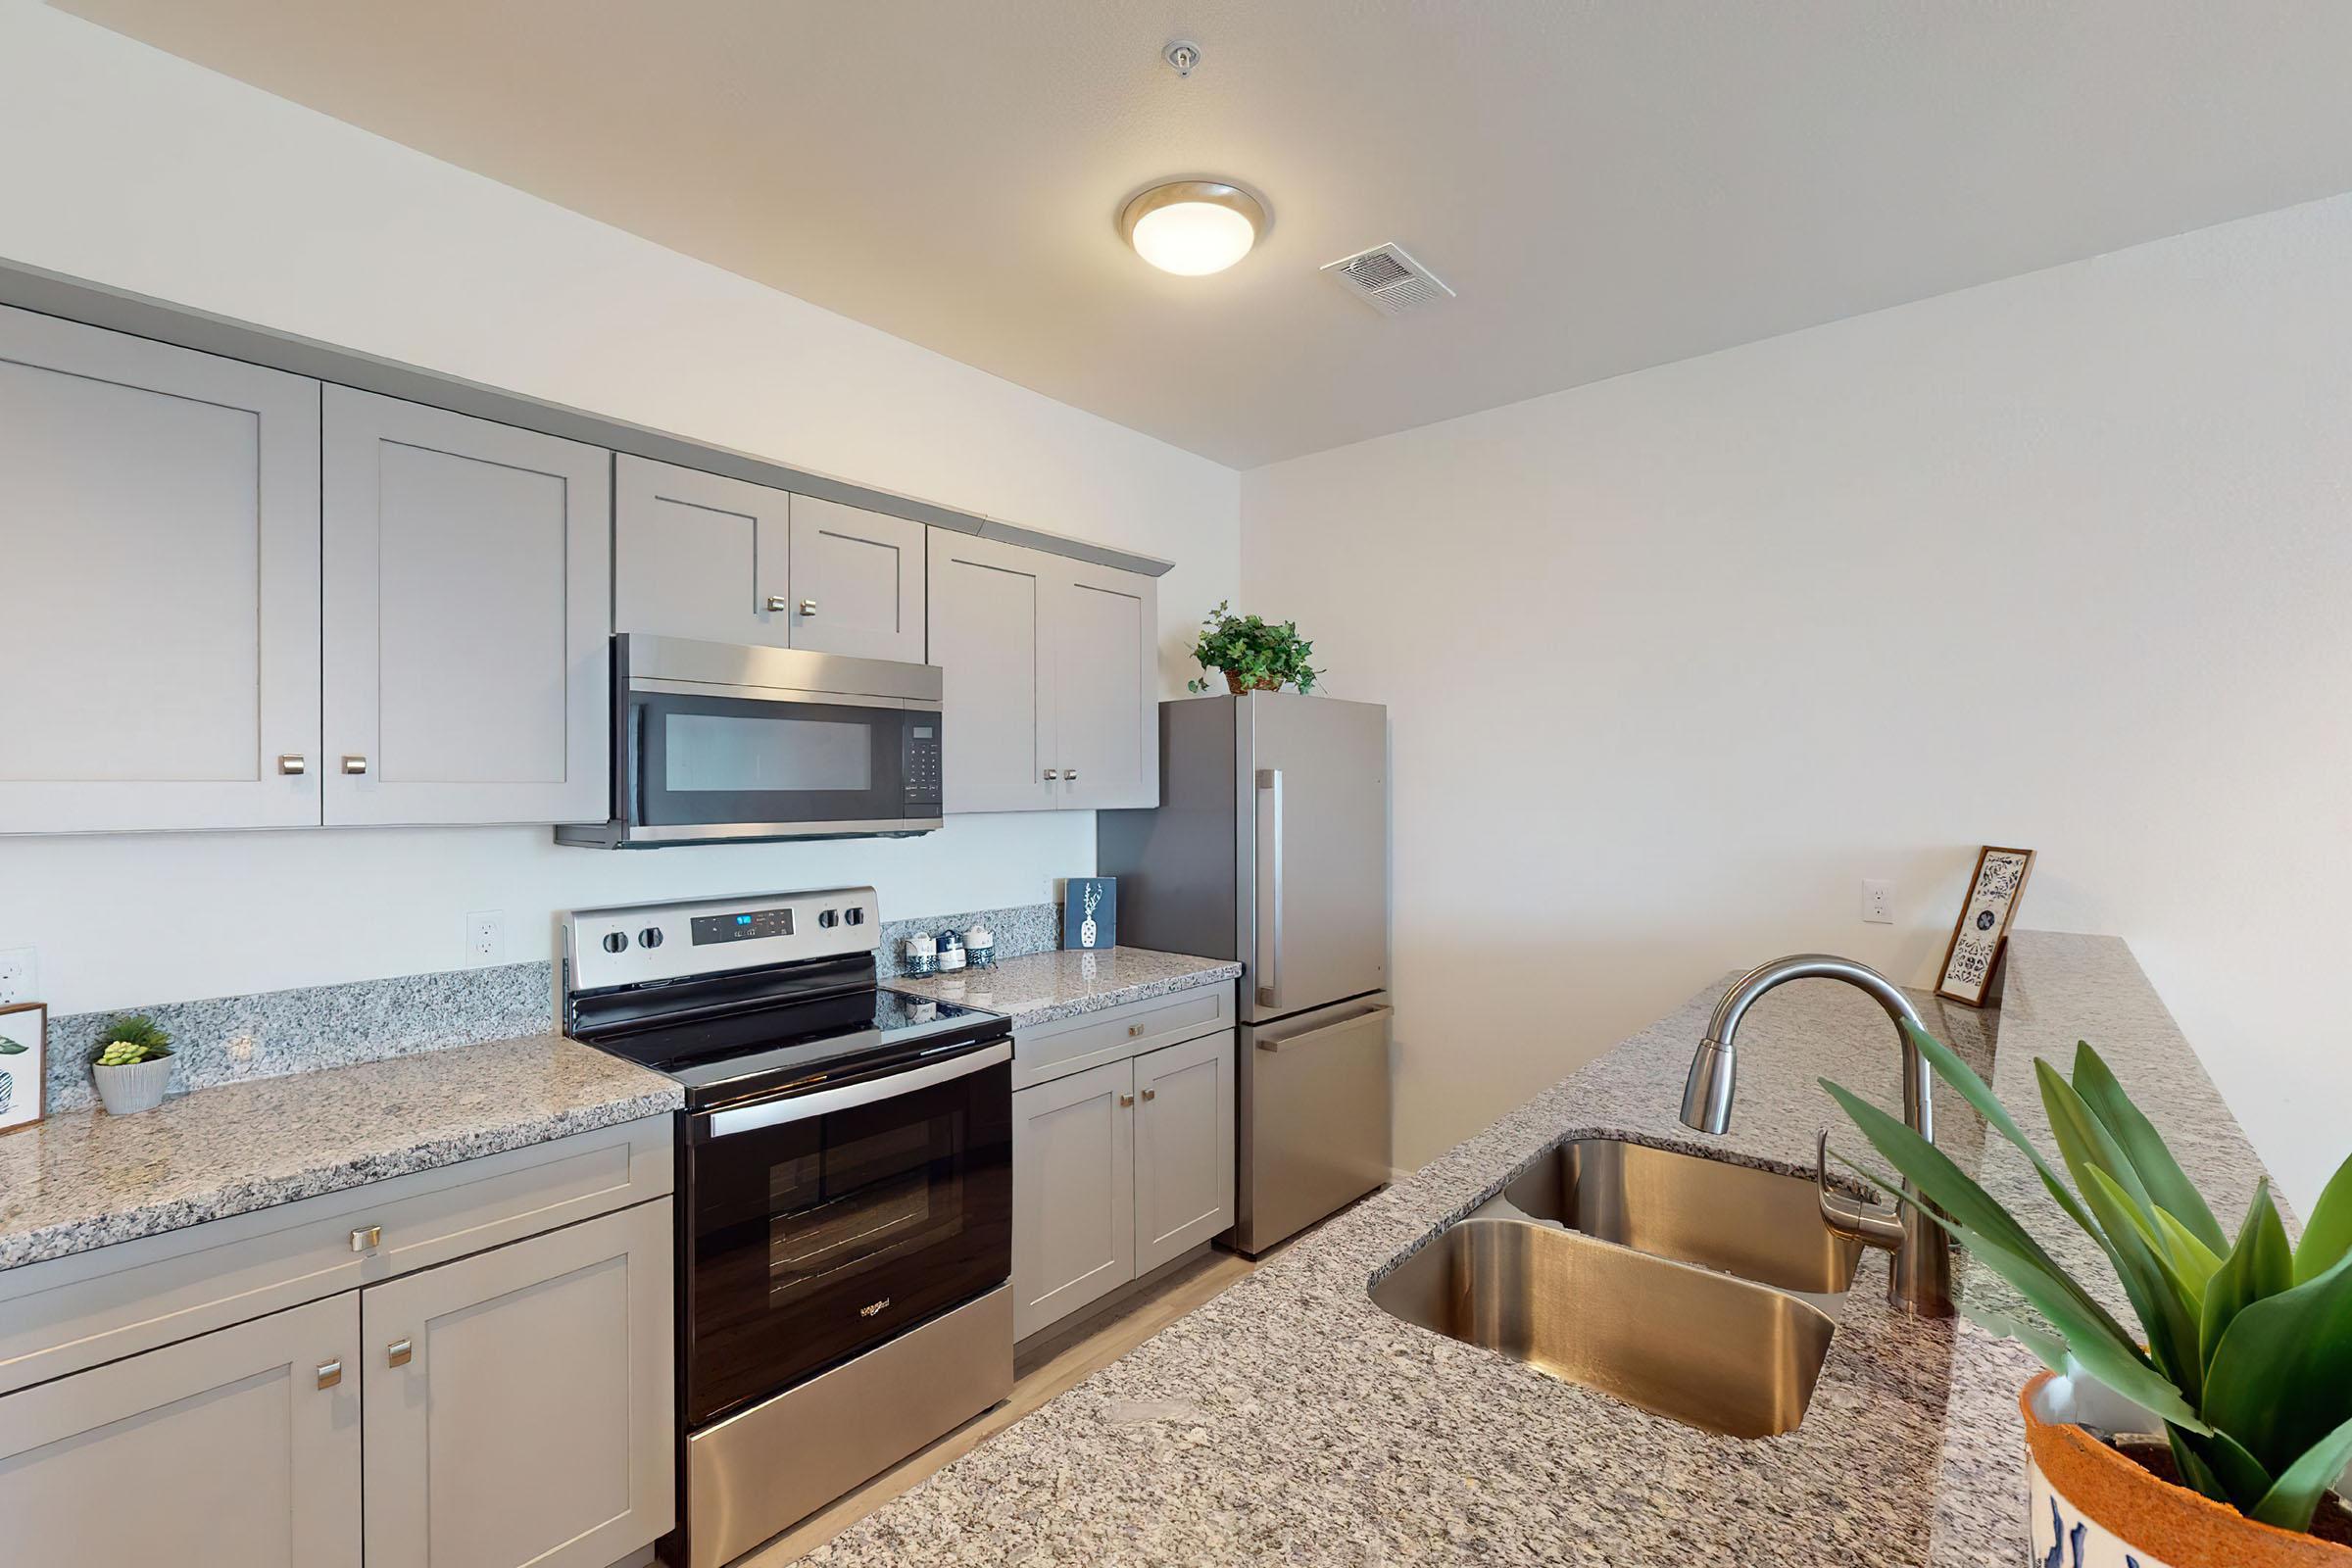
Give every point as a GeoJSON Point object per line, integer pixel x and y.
{"type": "Point", "coordinates": [1982, 929]}
{"type": "Point", "coordinates": [24, 1063]}
{"type": "Point", "coordinates": [1090, 913]}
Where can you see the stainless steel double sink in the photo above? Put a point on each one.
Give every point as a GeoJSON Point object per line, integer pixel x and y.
{"type": "Point", "coordinates": [1692, 1288]}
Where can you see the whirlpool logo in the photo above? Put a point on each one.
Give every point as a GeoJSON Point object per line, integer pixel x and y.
{"type": "Point", "coordinates": [874, 1309]}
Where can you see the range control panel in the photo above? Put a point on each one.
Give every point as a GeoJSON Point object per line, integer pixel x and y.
{"type": "Point", "coordinates": [633, 944]}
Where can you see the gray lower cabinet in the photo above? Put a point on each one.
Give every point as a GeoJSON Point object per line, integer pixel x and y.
{"type": "Point", "coordinates": [1051, 679]}
{"type": "Point", "coordinates": [1183, 1165]}
{"type": "Point", "coordinates": [238, 1448]}
{"type": "Point", "coordinates": [1073, 1194]}
{"type": "Point", "coordinates": [517, 1403]}
{"type": "Point", "coordinates": [1118, 1170]}
{"type": "Point", "coordinates": [159, 528]}
{"type": "Point", "coordinates": [466, 590]}
{"type": "Point", "coordinates": [700, 554]}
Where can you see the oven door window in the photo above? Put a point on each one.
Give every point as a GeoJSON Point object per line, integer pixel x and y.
{"type": "Point", "coordinates": [713, 760]}
{"type": "Point", "coordinates": [817, 1240]}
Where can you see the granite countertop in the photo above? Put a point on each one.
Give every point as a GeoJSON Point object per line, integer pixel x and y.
{"type": "Point", "coordinates": [83, 1179]}
{"type": "Point", "coordinates": [1043, 986]}
{"type": "Point", "coordinates": [1291, 1421]}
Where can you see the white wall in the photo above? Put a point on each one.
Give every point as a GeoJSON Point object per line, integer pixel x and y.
{"type": "Point", "coordinates": [138, 170]}
{"type": "Point", "coordinates": [1675, 661]}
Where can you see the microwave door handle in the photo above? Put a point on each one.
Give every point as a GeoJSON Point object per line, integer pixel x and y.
{"type": "Point", "coordinates": [1269, 886]}
{"type": "Point", "coordinates": [804, 1107]}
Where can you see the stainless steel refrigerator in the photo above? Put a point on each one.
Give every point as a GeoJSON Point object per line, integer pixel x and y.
{"type": "Point", "coordinates": [1270, 845]}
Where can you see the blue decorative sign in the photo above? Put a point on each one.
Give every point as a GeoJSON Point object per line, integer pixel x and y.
{"type": "Point", "coordinates": [1090, 913]}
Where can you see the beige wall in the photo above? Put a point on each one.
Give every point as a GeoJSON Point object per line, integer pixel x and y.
{"type": "Point", "coordinates": [1676, 661]}
{"type": "Point", "coordinates": [135, 168]}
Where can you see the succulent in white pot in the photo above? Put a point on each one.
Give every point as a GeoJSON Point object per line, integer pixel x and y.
{"type": "Point", "coordinates": [132, 1065]}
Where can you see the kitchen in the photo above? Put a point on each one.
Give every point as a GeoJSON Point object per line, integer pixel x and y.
{"type": "Point", "coordinates": [361, 958]}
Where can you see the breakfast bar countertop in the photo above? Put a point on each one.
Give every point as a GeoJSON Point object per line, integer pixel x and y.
{"type": "Point", "coordinates": [1046, 987]}
{"type": "Point", "coordinates": [84, 1179]}
{"type": "Point", "coordinates": [1291, 1421]}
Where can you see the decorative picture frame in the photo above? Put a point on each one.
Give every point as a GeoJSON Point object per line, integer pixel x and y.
{"type": "Point", "coordinates": [1982, 933]}
{"type": "Point", "coordinates": [24, 1064]}
{"type": "Point", "coordinates": [1090, 913]}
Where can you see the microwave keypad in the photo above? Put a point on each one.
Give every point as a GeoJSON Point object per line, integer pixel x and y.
{"type": "Point", "coordinates": [923, 763]}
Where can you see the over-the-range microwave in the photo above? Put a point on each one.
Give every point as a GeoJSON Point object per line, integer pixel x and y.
{"type": "Point", "coordinates": [717, 743]}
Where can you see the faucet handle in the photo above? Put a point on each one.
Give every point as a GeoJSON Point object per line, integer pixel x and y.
{"type": "Point", "coordinates": [1873, 1225]}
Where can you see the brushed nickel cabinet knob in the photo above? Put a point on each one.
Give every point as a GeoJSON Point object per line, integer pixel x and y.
{"type": "Point", "coordinates": [330, 1373]}
{"type": "Point", "coordinates": [1052, 773]}
{"type": "Point", "coordinates": [293, 766]}
{"type": "Point", "coordinates": [807, 609]}
{"type": "Point", "coordinates": [1126, 1100]}
{"type": "Point", "coordinates": [365, 1237]}
{"type": "Point", "coordinates": [778, 604]}
{"type": "Point", "coordinates": [355, 765]}
{"type": "Point", "coordinates": [1151, 1094]}
{"type": "Point", "coordinates": [397, 1352]}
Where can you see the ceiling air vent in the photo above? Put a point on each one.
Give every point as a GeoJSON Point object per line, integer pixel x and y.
{"type": "Point", "coordinates": [1388, 280]}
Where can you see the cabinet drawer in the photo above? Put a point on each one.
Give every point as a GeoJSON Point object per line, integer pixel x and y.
{"type": "Point", "coordinates": [1073, 1045]}
{"type": "Point", "coordinates": [74, 1312]}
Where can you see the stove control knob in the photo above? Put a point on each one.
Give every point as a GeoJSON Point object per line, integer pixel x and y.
{"type": "Point", "coordinates": [855, 916]}
{"type": "Point", "coordinates": [617, 942]}
{"type": "Point", "coordinates": [650, 937]}
{"type": "Point", "coordinates": [828, 918]}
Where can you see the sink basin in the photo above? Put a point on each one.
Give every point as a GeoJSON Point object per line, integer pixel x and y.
{"type": "Point", "coordinates": [1698, 1348]}
{"type": "Point", "coordinates": [1756, 1224]}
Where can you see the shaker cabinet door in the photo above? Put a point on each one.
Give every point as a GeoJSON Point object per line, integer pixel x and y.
{"type": "Point", "coordinates": [856, 582]}
{"type": "Point", "coordinates": [159, 544]}
{"type": "Point", "coordinates": [698, 555]}
{"type": "Point", "coordinates": [468, 599]}
{"type": "Point", "coordinates": [1183, 1125]}
{"type": "Point", "coordinates": [1105, 649]}
{"type": "Point", "coordinates": [989, 604]}
{"type": "Point", "coordinates": [1073, 1194]}
{"type": "Point", "coordinates": [238, 1448]}
{"type": "Point", "coordinates": [521, 1403]}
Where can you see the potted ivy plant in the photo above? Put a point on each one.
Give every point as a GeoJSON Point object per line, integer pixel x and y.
{"type": "Point", "coordinates": [1255, 654]}
{"type": "Point", "coordinates": [2218, 1434]}
{"type": "Point", "coordinates": [132, 1065]}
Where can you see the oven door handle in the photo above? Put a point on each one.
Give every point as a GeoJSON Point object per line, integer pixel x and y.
{"type": "Point", "coordinates": [804, 1107]}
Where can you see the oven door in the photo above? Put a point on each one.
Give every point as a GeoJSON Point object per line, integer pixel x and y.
{"type": "Point", "coordinates": [826, 1223]}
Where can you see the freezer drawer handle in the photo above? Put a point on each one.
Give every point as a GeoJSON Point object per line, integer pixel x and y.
{"type": "Point", "coordinates": [823, 1102]}
{"type": "Point", "coordinates": [1269, 886]}
{"type": "Point", "coordinates": [1295, 1041]}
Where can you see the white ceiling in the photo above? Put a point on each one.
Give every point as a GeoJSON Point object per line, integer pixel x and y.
{"type": "Point", "coordinates": [1609, 184]}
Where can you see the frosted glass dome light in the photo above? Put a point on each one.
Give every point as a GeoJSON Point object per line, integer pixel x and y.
{"type": "Point", "coordinates": [1192, 227]}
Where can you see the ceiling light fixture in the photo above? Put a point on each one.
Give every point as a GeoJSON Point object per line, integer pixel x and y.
{"type": "Point", "coordinates": [1192, 227]}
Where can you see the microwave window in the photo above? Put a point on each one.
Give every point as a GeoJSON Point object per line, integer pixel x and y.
{"type": "Point", "coordinates": [721, 753]}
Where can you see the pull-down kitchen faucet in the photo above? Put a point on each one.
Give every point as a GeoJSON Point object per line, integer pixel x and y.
{"type": "Point", "coordinates": [1920, 1281]}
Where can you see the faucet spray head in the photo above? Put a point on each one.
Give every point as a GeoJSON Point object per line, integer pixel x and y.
{"type": "Point", "coordinates": [1708, 1094]}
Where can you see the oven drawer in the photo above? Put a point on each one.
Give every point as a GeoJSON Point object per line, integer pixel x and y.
{"type": "Point", "coordinates": [1073, 1045]}
{"type": "Point", "coordinates": [75, 1312]}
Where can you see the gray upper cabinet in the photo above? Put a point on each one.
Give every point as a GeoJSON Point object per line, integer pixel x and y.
{"type": "Point", "coordinates": [159, 527]}
{"type": "Point", "coordinates": [856, 581]}
{"type": "Point", "coordinates": [989, 607]}
{"type": "Point", "coordinates": [1104, 652]}
{"type": "Point", "coordinates": [697, 555]}
{"type": "Point", "coordinates": [694, 555]}
{"type": "Point", "coordinates": [1052, 675]}
{"type": "Point", "coordinates": [467, 573]}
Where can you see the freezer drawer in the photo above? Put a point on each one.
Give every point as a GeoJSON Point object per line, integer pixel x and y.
{"type": "Point", "coordinates": [1314, 1117]}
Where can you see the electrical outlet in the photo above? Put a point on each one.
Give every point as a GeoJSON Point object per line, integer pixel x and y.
{"type": "Point", "coordinates": [19, 976]}
{"type": "Point", "coordinates": [486, 937]}
{"type": "Point", "coordinates": [1878, 902]}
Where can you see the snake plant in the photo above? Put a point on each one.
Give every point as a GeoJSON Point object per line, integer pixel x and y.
{"type": "Point", "coordinates": [2244, 1347]}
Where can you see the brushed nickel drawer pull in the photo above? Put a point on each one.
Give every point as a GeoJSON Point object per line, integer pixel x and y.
{"type": "Point", "coordinates": [778, 604]}
{"type": "Point", "coordinates": [397, 1353]}
{"type": "Point", "coordinates": [355, 765]}
{"type": "Point", "coordinates": [365, 1237]}
{"type": "Point", "coordinates": [1135, 1029]}
{"type": "Point", "coordinates": [1126, 1101]}
{"type": "Point", "coordinates": [293, 765]}
{"type": "Point", "coordinates": [330, 1373]}
{"type": "Point", "coordinates": [1151, 1094]}
{"type": "Point", "coordinates": [807, 609]}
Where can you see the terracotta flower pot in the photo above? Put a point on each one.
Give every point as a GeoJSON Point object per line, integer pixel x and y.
{"type": "Point", "coordinates": [1240, 687]}
{"type": "Point", "coordinates": [2090, 1506]}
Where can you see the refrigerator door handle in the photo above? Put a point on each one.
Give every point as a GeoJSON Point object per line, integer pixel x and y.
{"type": "Point", "coordinates": [1269, 886]}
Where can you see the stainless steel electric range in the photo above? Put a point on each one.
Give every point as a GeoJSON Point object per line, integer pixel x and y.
{"type": "Point", "coordinates": [845, 1195]}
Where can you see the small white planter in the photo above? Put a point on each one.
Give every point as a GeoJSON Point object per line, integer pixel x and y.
{"type": "Point", "coordinates": [128, 1090]}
